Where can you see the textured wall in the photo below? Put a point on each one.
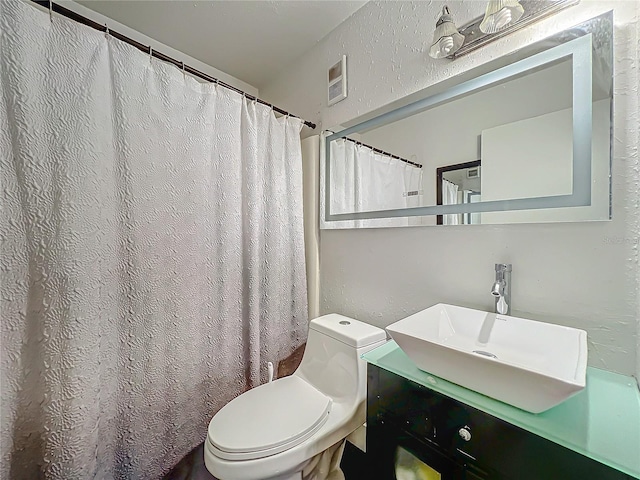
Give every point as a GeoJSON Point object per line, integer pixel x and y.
{"type": "Point", "coordinates": [579, 274]}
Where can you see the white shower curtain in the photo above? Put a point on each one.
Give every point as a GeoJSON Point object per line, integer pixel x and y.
{"type": "Point", "coordinates": [363, 180]}
{"type": "Point", "coordinates": [450, 197]}
{"type": "Point", "coordinates": [152, 252]}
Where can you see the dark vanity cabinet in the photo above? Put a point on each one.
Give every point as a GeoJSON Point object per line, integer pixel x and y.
{"type": "Point", "coordinates": [410, 426]}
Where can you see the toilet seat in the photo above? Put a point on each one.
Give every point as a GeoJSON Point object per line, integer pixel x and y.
{"type": "Point", "coordinates": [268, 419]}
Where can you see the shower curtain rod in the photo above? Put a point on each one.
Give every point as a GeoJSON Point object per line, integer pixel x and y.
{"type": "Point", "coordinates": [382, 152]}
{"type": "Point", "coordinates": [65, 12]}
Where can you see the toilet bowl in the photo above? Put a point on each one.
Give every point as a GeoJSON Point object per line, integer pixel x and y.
{"type": "Point", "coordinates": [273, 431]}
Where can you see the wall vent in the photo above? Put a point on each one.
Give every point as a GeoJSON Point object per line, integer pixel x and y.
{"type": "Point", "coordinates": [473, 172]}
{"type": "Point", "coordinates": [337, 88]}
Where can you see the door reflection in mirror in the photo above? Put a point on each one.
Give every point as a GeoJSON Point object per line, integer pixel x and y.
{"type": "Point", "coordinates": [456, 184]}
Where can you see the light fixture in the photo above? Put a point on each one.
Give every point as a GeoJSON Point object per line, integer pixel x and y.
{"type": "Point", "coordinates": [502, 17]}
{"type": "Point", "coordinates": [446, 38]}
{"type": "Point", "coordinates": [500, 14]}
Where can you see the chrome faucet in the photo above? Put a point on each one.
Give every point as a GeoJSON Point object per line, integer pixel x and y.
{"type": "Point", "coordinates": [501, 289]}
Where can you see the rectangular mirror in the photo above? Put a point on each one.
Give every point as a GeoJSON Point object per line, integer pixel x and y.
{"type": "Point", "coordinates": [525, 138]}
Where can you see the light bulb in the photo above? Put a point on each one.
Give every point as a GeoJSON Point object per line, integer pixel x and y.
{"type": "Point", "coordinates": [446, 45]}
{"type": "Point", "coordinates": [446, 38]}
{"type": "Point", "coordinates": [500, 14]}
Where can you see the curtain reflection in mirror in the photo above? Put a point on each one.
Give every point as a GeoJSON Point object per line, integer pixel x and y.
{"type": "Point", "coordinates": [364, 180]}
{"type": "Point", "coordinates": [450, 197]}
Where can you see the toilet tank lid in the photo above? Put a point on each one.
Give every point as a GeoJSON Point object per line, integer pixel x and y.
{"type": "Point", "coordinates": [347, 330]}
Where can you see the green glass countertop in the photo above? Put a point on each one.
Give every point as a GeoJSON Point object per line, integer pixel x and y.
{"type": "Point", "coordinates": [601, 422]}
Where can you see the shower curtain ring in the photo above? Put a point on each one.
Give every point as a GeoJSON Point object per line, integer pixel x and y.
{"type": "Point", "coordinates": [51, 10]}
{"type": "Point", "coordinates": [106, 29]}
{"type": "Point", "coordinates": [183, 72]}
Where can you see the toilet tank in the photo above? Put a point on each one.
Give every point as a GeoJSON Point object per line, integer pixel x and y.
{"type": "Point", "coordinates": [331, 360]}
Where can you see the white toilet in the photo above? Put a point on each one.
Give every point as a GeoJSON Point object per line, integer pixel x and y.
{"type": "Point", "coordinates": [274, 430]}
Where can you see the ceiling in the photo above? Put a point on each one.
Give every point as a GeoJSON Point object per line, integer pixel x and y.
{"type": "Point", "coordinates": [250, 40]}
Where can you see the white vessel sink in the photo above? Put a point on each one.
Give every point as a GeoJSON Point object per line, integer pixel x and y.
{"type": "Point", "coordinates": [530, 365]}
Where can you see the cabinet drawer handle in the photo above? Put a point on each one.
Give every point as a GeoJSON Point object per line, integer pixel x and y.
{"type": "Point", "coordinates": [465, 434]}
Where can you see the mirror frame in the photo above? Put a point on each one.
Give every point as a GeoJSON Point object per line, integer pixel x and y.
{"type": "Point", "coordinates": [579, 49]}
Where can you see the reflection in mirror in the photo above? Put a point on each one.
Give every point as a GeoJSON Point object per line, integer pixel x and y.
{"type": "Point", "coordinates": [458, 184]}
{"type": "Point", "coordinates": [523, 128]}
{"type": "Point", "coordinates": [369, 179]}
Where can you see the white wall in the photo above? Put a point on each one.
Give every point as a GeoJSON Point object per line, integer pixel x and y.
{"type": "Point", "coordinates": [533, 158]}
{"type": "Point", "coordinates": [579, 274]}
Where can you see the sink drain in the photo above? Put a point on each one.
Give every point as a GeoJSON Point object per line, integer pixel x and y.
{"type": "Point", "coordinates": [486, 354]}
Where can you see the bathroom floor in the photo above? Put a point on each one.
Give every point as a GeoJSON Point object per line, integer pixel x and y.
{"type": "Point", "coordinates": [191, 467]}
